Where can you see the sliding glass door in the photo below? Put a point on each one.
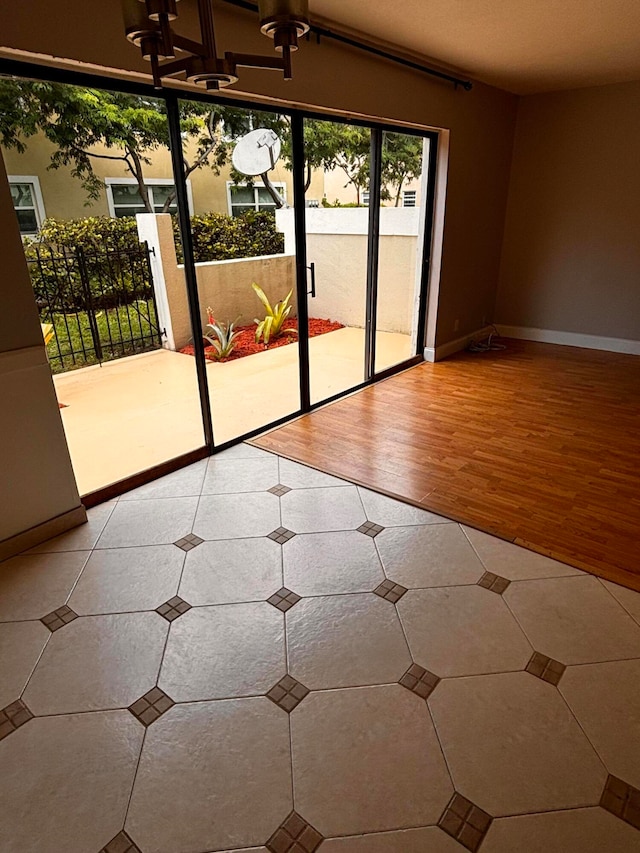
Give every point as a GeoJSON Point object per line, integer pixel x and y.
{"type": "Point", "coordinates": [337, 157]}
{"type": "Point", "coordinates": [204, 269]}
{"type": "Point", "coordinates": [405, 196]}
{"type": "Point", "coordinates": [242, 233]}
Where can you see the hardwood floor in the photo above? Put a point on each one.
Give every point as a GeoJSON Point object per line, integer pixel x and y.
{"type": "Point", "coordinates": [538, 444]}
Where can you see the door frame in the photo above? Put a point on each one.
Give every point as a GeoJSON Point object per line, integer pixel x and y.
{"type": "Point", "coordinates": [171, 96]}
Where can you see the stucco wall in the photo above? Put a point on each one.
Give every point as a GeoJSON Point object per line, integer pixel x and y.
{"type": "Point", "coordinates": [224, 286]}
{"type": "Point", "coordinates": [337, 244]}
{"type": "Point", "coordinates": [64, 197]}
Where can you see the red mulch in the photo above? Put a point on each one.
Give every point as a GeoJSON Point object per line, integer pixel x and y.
{"type": "Point", "coordinates": [246, 343]}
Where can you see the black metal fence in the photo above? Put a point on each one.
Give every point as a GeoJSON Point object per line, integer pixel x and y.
{"type": "Point", "coordinates": [100, 302]}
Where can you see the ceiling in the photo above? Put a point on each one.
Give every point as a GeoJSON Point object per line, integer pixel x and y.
{"type": "Point", "coordinates": [523, 46]}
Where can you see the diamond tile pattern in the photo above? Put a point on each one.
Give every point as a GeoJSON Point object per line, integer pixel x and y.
{"type": "Point", "coordinates": [281, 535]}
{"type": "Point", "coordinates": [151, 706]}
{"type": "Point", "coordinates": [173, 608]}
{"type": "Point", "coordinates": [545, 668]}
{"type": "Point", "coordinates": [495, 583]}
{"type": "Point", "coordinates": [390, 591]}
{"type": "Point", "coordinates": [420, 681]}
{"type": "Point", "coordinates": [12, 717]}
{"type": "Point", "coordinates": [465, 822]}
{"type": "Point", "coordinates": [622, 800]}
{"type": "Point", "coordinates": [284, 599]}
{"type": "Point", "coordinates": [288, 693]}
{"type": "Point", "coordinates": [369, 528]}
{"type": "Point", "coordinates": [395, 694]}
{"type": "Point", "coordinates": [59, 618]}
{"type": "Point", "coordinates": [189, 542]}
{"type": "Point", "coordinates": [279, 490]}
{"type": "Point", "coordinates": [294, 836]}
{"type": "Point", "coordinates": [121, 844]}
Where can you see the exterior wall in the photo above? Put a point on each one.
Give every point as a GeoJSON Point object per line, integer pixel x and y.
{"type": "Point", "coordinates": [337, 245]}
{"type": "Point", "coordinates": [65, 198]}
{"type": "Point", "coordinates": [336, 188]}
{"type": "Point", "coordinates": [571, 257]}
{"type": "Point", "coordinates": [37, 483]}
{"type": "Point", "coordinates": [225, 286]}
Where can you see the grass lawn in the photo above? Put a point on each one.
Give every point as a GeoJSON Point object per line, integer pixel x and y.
{"type": "Point", "coordinates": [126, 330]}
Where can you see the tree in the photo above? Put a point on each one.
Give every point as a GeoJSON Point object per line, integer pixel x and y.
{"type": "Point", "coordinates": [401, 161]}
{"type": "Point", "coordinates": [78, 120]}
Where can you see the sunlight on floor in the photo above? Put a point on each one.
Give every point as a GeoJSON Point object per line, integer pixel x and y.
{"type": "Point", "coordinates": [136, 412]}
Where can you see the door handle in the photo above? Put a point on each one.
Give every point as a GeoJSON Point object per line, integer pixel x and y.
{"type": "Point", "coordinates": [312, 268]}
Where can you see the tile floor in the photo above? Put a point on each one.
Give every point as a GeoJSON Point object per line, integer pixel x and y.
{"type": "Point", "coordinates": [252, 655]}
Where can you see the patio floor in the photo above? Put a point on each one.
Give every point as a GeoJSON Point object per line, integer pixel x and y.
{"type": "Point", "coordinates": [128, 415]}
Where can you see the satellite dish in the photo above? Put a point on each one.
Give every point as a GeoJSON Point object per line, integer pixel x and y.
{"type": "Point", "coordinates": [257, 152]}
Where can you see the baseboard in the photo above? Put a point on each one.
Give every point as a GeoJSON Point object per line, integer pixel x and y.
{"type": "Point", "coordinates": [438, 353]}
{"type": "Point", "coordinates": [571, 339]}
{"type": "Point", "coordinates": [41, 532]}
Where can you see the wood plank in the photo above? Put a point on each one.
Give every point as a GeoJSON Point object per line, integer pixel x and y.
{"type": "Point", "coordinates": [538, 444]}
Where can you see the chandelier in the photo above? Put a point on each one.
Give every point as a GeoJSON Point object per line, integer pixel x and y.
{"type": "Point", "coordinates": [149, 25]}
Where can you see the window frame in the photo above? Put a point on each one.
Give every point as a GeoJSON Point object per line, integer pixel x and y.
{"type": "Point", "coordinates": [38, 206]}
{"type": "Point", "coordinates": [149, 182]}
{"type": "Point", "coordinates": [281, 186]}
{"type": "Point", "coordinates": [414, 194]}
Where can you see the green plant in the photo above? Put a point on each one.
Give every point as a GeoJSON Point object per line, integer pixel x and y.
{"type": "Point", "coordinates": [225, 334]}
{"type": "Point", "coordinates": [271, 326]}
{"type": "Point", "coordinates": [219, 237]}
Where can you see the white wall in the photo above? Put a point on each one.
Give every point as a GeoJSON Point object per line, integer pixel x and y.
{"type": "Point", "coordinates": [337, 245]}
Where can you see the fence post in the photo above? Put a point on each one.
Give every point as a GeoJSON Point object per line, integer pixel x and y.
{"type": "Point", "coordinates": [91, 316]}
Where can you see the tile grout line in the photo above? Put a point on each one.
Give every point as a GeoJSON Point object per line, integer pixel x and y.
{"type": "Point", "coordinates": [134, 778]}
{"type": "Point", "coordinates": [48, 640]}
{"type": "Point", "coordinates": [557, 687]}
{"type": "Point", "coordinates": [606, 589]}
{"type": "Point", "coordinates": [426, 703]}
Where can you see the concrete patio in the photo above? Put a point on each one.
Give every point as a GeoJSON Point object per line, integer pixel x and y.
{"type": "Point", "coordinates": [128, 415]}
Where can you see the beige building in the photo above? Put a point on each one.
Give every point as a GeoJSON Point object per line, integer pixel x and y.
{"type": "Point", "coordinates": [39, 192]}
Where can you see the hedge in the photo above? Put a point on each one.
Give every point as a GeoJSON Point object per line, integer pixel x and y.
{"type": "Point", "coordinates": [53, 269]}
{"type": "Point", "coordinates": [216, 236]}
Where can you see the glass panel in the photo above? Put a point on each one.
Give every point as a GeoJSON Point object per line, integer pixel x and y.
{"type": "Point", "coordinates": [22, 195]}
{"type": "Point", "coordinates": [161, 193]}
{"type": "Point", "coordinates": [126, 194]}
{"type": "Point", "coordinates": [27, 221]}
{"type": "Point", "coordinates": [337, 160]}
{"type": "Point", "coordinates": [250, 384]}
{"type": "Point", "coordinates": [133, 413]}
{"type": "Point", "coordinates": [264, 196]}
{"type": "Point", "coordinates": [242, 195]}
{"type": "Point", "coordinates": [400, 250]}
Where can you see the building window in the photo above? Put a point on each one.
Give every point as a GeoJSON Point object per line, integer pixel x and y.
{"type": "Point", "coordinates": [27, 202]}
{"type": "Point", "coordinates": [124, 199]}
{"type": "Point", "coordinates": [409, 198]}
{"type": "Point", "coordinates": [242, 198]}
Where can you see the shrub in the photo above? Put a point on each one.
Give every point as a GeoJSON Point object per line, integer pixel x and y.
{"type": "Point", "coordinates": [271, 327]}
{"type": "Point", "coordinates": [117, 279]}
{"type": "Point", "coordinates": [224, 335]}
{"type": "Point", "coordinates": [218, 237]}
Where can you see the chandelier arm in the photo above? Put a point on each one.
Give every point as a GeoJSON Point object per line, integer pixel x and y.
{"type": "Point", "coordinates": [255, 60]}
